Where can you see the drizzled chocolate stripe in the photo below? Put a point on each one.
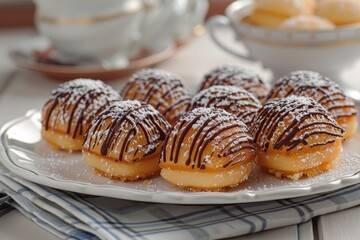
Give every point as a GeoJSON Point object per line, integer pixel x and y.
{"type": "Point", "coordinates": [76, 103]}
{"type": "Point", "coordinates": [209, 126]}
{"type": "Point", "coordinates": [321, 89]}
{"type": "Point", "coordinates": [163, 90]}
{"type": "Point", "coordinates": [233, 75]}
{"type": "Point", "coordinates": [232, 99]}
{"type": "Point", "coordinates": [288, 123]}
{"type": "Point", "coordinates": [117, 126]}
{"type": "Point", "coordinates": [209, 135]}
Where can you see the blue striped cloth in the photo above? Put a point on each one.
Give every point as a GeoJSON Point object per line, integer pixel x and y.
{"type": "Point", "coordinates": [76, 216]}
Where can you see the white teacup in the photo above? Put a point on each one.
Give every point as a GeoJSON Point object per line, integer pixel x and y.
{"type": "Point", "coordinates": [157, 14]}
{"type": "Point", "coordinates": [91, 28]}
{"type": "Point", "coordinates": [328, 52]}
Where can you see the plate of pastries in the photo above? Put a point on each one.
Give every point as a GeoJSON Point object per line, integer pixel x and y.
{"type": "Point", "coordinates": [237, 139]}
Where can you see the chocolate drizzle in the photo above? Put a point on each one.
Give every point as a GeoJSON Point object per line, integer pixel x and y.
{"type": "Point", "coordinates": [232, 99]}
{"type": "Point", "coordinates": [233, 75]}
{"type": "Point", "coordinates": [128, 129]}
{"type": "Point", "coordinates": [205, 129]}
{"type": "Point", "coordinates": [75, 103]}
{"type": "Point", "coordinates": [163, 90]}
{"type": "Point", "coordinates": [294, 122]}
{"type": "Point", "coordinates": [321, 89]}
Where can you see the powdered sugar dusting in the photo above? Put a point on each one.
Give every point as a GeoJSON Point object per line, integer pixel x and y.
{"type": "Point", "coordinates": [321, 89]}
{"type": "Point", "coordinates": [293, 122]}
{"type": "Point", "coordinates": [208, 128]}
{"type": "Point", "coordinates": [75, 103]}
{"type": "Point", "coordinates": [163, 90]}
{"type": "Point", "coordinates": [126, 130]}
{"type": "Point", "coordinates": [69, 169]}
{"type": "Point", "coordinates": [232, 99]}
{"type": "Point", "coordinates": [234, 75]}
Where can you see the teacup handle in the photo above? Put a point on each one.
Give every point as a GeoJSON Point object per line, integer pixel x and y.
{"type": "Point", "coordinates": [222, 21]}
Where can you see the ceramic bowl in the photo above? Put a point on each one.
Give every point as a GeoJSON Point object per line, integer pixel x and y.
{"type": "Point", "coordinates": [329, 52]}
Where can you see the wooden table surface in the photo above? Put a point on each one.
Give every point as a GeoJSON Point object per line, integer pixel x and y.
{"type": "Point", "coordinates": [22, 90]}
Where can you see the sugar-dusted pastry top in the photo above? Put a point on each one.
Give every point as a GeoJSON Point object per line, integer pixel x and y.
{"type": "Point", "coordinates": [126, 130]}
{"type": "Point", "coordinates": [294, 123]}
{"type": "Point", "coordinates": [232, 99]}
{"type": "Point", "coordinates": [75, 103]}
{"type": "Point", "coordinates": [207, 138]}
{"type": "Point", "coordinates": [321, 89]}
{"type": "Point", "coordinates": [234, 75]}
{"type": "Point", "coordinates": [163, 90]}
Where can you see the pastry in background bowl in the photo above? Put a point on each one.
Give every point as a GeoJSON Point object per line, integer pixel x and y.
{"type": "Point", "coordinates": [272, 13]}
{"type": "Point", "coordinates": [207, 150]}
{"type": "Point", "coordinates": [70, 109]}
{"type": "Point", "coordinates": [232, 99]}
{"type": "Point", "coordinates": [163, 90]}
{"type": "Point", "coordinates": [233, 75]}
{"type": "Point", "coordinates": [307, 23]}
{"type": "Point", "coordinates": [266, 19]}
{"type": "Point", "coordinates": [296, 137]}
{"type": "Point", "coordinates": [324, 91]}
{"type": "Point", "coordinates": [124, 141]}
{"type": "Point", "coordinates": [286, 8]}
{"type": "Point", "coordinates": [340, 12]}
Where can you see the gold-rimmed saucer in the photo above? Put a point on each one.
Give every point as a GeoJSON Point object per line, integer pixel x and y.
{"type": "Point", "coordinates": [26, 56]}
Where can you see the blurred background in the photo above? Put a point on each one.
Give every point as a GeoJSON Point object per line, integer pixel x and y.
{"type": "Point", "coordinates": [20, 13]}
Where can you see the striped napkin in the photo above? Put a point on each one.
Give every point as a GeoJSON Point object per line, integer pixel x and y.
{"type": "Point", "coordinates": [77, 216]}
